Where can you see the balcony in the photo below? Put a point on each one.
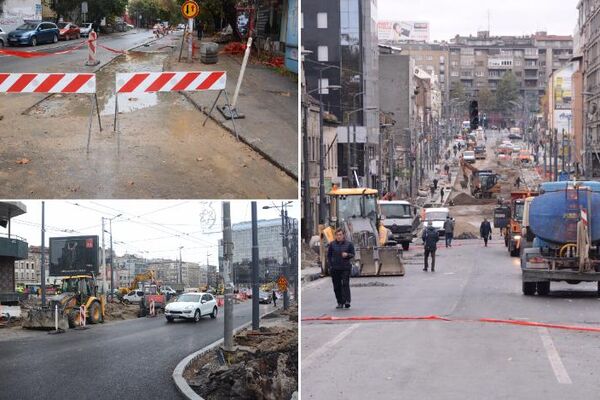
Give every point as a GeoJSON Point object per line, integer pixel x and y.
{"type": "Point", "coordinates": [13, 247]}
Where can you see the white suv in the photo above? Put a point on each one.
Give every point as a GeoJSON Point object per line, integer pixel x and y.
{"type": "Point", "coordinates": [192, 306]}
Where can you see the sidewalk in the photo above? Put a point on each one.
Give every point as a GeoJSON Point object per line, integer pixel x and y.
{"type": "Point", "coordinates": [310, 274]}
{"type": "Point", "coordinates": [269, 101]}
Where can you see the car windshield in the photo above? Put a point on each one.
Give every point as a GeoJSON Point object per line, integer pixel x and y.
{"type": "Point", "coordinates": [395, 210]}
{"type": "Point", "coordinates": [188, 298]}
{"type": "Point", "coordinates": [62, 25]}
{"type": "Point", "coordinates": [469, 154]}
{"type": "Point", "coordinates": [263, 294]}
{"type": "Point", "coordinates": [87, 25]}
{"type": "Point", "coordinates": [519, 207]}
{"type": "Point", "coordinates": [436, 216]}
{"type": "Point", "coordinates": [27, 27]}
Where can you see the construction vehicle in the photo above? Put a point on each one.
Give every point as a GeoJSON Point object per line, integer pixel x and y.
{"type": "Point", "coordinates": [356, 211]}
{"type": "Point", "coordinates": [483, 183]}
{"type": "Point", "coordinates": [64, 308]}
{"type": "Point", "coordinates": [563, 226]}
{"type": "Point", "coordinates": [152, 299]}
{"type": "Point", "coordinates": [512, 232]}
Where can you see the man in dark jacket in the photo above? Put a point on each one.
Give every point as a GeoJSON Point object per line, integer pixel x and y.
{"type": "Point", "coordinates": [448, 231]}
{"type": "Point", "coordinates": [430, 238]}
{"type": "Point", "coordinates": [485, 230]}
{"type": "Point", "coordinates": [339, 254]}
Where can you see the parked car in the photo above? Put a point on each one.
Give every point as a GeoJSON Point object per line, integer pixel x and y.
{"type": "Point", "coordinates": [33, 33]}
{"type": "Point", "coordinates": [180, 27]}
{"type": "Point", "coordinates": [85, 29]}
{"type": "Point", "coordinates": [68, 31]}
{"type": "Point", "coordinates": [265, 298]}
{"type": "Point", "coordinates": [135, 296]}
{"type": "Point", "coordinates": [469, 156]}
{"type": "Point", "coordinates": [3, 38]}
{"type": "Point", "coordinates": [168, 290]}
{"type": "Point", "coordinates": [480, 152]}
{"type": "Point", "coordinates": [192, 306]}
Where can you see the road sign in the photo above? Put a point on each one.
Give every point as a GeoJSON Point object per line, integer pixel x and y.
{"type": "Point", "coordinates": [190, 9]}
{"type": "Point", "coordinates": [282, 283]}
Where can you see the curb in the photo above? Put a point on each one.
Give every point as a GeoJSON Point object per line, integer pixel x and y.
{"type": "Point", "coordinates": [257, 149]}
{"type": "Point", "coordinates": [311, 277]}
{"type": "Point", "coordinates": [180, 381]}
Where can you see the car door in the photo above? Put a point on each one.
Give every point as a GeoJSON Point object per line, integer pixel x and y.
{"type": "Point", "coordinates": [207, 304]}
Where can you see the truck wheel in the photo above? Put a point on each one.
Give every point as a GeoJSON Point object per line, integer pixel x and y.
{"type": "Point", "coordinates": [170, 319]}
{"type": "Point", "coordinates": [529, 288]}
{"type": "Point", "coordinates": [543, 288]}
{"type": "Point", "coordinates": [405, 246]}
{"type": "Point", "coordinates": [71, 320]}
{"type": "Point", "coordinates": [95, 313]}
{"type": "Point", "coordinates": [514, 252]}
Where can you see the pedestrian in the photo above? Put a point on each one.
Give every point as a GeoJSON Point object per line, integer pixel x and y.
{"type": "Point", "coordinates": [455, 149]}
{"type": "Point", "coordinates": [446, 168]}
{"type": "Point", "coordinates": [430, 238]}
{"type": "Point", "coordinates": [485, 230]}
{"type": "Point", "coordinates": [200, 30]}
{"type": "Point", "coordinates": [449, 231]}
{"type": "Point", "coordinates": [449, 177]}
{"type": "Point", "coordinates": [435, 183]}
{"type": "Point", "coordinates": [339, 254]}
{"type": "Point", "coordinates": [274, 299]}
{"type": "Point", "coordinates": [441, 194]}
{"type": "Point", "coordinates": [518, 181]}
{"type": "Point", "coordinates": [432, 190]}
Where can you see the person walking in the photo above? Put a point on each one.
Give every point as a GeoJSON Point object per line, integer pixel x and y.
{"type": "Point", "coordinates": [435, 183]}
{"type": "Point", "coordinates": [449, 231]}
{"type": "Point", "coordinates": [485, 229]}
{"type": "Point", "coordinates": [274, 299]}
{"type": "Point", "coordinates": [432, 190]}
{"type": "Point", "coordinates": [518, 181]}
{"type": "Point", "coordinates": [441, 195]}
{"type": "Point", "coordinates": [200, 30]}
{"type": "Point", "coordinates": [339, 254]}
{"type": "Point", "coordinates": [430, 238]}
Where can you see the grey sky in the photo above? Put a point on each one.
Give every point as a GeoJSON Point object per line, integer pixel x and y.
{"type": "Point", "coordinates": [153, 233]}
{"type": "Point", "coordinates": [507, 17]}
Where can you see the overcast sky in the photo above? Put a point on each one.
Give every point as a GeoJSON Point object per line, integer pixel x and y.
{"type": "Point", "coordinates": [507, 17]}
{"type": "Point", "coordinates": [148, 228]}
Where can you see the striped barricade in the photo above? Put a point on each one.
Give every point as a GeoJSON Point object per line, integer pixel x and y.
{"type": "Point", "coordinates": [75, 83]}
{"type": "Point", "coordinates": [185, 81]}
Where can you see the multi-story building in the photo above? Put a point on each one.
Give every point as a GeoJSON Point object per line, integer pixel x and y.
{"type": "Point", "coordinates": [29, 272]}
{"type": "Point", "coordinates": [269, 241]}
{"type": "Point", "coordinates": [175, 272]}
{"type": "Point", "coordinates": [341, 37]}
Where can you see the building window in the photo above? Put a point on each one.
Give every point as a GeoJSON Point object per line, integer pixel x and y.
{"type": "Point", "coordinates": [323, 53]}
{"type": "Point", "coordinates": [322, 20]}
{"type": "Point", "coordinates": [324, 86]}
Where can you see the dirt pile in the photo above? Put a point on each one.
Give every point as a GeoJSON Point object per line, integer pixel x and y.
{"type": "Point", "coordinates": [309, 256]}
{"type": "Point", "coordinates": [120, 311]}
{"type": "Point", "coordinates": [264, 365]}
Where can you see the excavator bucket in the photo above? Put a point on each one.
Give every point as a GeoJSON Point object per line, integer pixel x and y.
{"type": "Point", "coordinates": [45, 318]}
{"type": "Point", "coordinates": [390, 261]}
{"type": "Point", "coordinates": [369, 264]}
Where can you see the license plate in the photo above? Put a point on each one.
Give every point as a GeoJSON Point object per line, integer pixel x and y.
{"type": "Point", "coordinates": [12, 40]}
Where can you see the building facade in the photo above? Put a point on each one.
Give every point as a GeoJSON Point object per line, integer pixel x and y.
{"type": "Point", "coordinates": [14, 12]}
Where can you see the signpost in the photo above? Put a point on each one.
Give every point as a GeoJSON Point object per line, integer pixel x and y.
{"type": "Point", "coordinates": [190, 10]}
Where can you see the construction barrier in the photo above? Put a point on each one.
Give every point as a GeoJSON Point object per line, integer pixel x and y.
{"type": "Point", "coordinates": [220, 301]}
{"type": "Point", "coordinates": [92, 38]}
{"type": "Point", "coordinates": [152, 309]}
{"type": "Point", "coordinates": [31, 54]}
{"type": "Point", "coordinates": [152, 82]}
{"type": "Point", "coordinates": [75, 83]}
{"type": "Point", "coordinates": [82, 316]}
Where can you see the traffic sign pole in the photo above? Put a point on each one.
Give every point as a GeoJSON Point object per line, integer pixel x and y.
{"type": "Point", "coordinates": [190, 39]}
{"type": "Point", "coordinates": [190, 10]}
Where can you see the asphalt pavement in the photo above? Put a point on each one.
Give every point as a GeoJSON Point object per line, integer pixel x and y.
{"type": "Point", "coordinates": [458, 359]}
{"type": "Point", "coordinates": [124, 359]}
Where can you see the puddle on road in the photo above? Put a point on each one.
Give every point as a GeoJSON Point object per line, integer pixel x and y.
{"type": "Point", "coordinates": [67, 105]}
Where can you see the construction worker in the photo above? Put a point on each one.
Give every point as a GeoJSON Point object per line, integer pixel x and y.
{"type": "Point", "coordinates": [339, 254]}
{"type": "Point", "coordinates": [485, 230]}
{"type": "Point", "coordinates": [430, 238]}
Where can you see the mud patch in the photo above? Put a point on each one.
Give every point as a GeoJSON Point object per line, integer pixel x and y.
{"type": "Point", "coordinates": [370, 284]}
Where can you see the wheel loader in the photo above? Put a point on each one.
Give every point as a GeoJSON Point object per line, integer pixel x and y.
{"type": "Point", "coordinates": [75, 291]}
{"type": "Point", "coordinates": [356, 211]}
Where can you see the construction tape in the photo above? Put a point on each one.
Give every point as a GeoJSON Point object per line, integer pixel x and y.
{"type": "Point", "coordinates": [28, 54]}
{"type": "Point", "coordinates": [113, 50]}
{"type": "Point", "coordinates": [329, 318]}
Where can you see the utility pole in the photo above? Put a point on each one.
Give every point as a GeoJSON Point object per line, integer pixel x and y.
{"type": "Point", "coordinates": [348, 152]}
{"type": "Point", "coordinates": [227, 260]}
{"type": "Point", "coordinates": [284, 236]}
{"type": "Point", "coordinates": [42, 267]}
{"type": "Point", "coordinates": [255, 267]}
{"type": "Point", "coordinates": [112, 263]}
{"type": "Point", "coordinates": [308, 224]}
{"type": "Point", "coordinates": [103, 260]}
{"type": "Point", "coordinates": [179, 274]}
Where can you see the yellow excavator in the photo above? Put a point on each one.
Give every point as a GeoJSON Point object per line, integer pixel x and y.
{"type": "Point", "coordinates": [76, 290]}
{"type": "Point", "coordinates": [484, 184]}
{"type": "Point", "coordinates": [356, 211]}
{"type": "Point", "coordinates": [147, 276]}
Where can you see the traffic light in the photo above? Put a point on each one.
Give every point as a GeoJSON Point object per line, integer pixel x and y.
{"type": "Point", "coordinates": [484, 120]}
{"type": "Point", "coordinates": [474, 114]}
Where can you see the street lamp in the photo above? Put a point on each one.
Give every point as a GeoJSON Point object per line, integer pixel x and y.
{"type": "Point", "coordinates": [285, 244]}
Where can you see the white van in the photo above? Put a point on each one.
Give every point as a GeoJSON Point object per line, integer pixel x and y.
{"type": "Point", "coordinates": [437, 216]}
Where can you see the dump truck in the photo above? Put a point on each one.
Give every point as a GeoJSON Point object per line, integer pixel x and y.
{"type": "Point", "coordinates": [563, 226]}
{"type": "Point", "coordinates": [356, 211]}
{"type": "Point", "coordinates": [484, 184]}
{"type": "Point", "coordinates": [402, 219]}
{"type": "Point", "coordinates": [512, 233]}
{"type": "Point", "coordinates": [64, 308]}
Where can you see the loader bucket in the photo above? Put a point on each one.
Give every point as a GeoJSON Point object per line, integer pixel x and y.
{"type": "Point", "coordinates": [390, 261]}
{"type": "Point", "coordinates": [44, 318]}
{"type": "Point", "coordinates": [369, 262]}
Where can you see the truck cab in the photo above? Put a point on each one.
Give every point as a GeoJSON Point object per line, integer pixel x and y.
{"type": "Point", "coordinates": [402, 219]}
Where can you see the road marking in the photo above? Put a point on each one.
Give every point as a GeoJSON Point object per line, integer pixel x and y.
{"type": "Point", "coordinates": [555, 361]}
{"type": "Point", "coordinates": [328, 346]}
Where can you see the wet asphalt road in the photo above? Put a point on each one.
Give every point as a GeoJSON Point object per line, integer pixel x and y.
{"type": "Point", "coordinates": [460, 359]}
{"type": "Point", "coordinates": [126, 359]}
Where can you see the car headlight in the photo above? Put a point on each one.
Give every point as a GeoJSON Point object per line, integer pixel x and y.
{"type": "Point", "coordinates": [188, 307]}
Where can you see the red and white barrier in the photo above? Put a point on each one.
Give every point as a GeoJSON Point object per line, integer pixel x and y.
{"type": "Point", "coordinates": [82, 316]}
{"type": "Point", "coordinates": [92, 60]}
{"type": "Point", "coordinates": [47, 83]}
{"type": "Point", "coordinates": [152, 308]}
{"type": "Point", "coordinates": [149, 82]}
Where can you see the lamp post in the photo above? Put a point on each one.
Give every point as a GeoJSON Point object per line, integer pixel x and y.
{"type": "Point", "coordinates": [112, 258]}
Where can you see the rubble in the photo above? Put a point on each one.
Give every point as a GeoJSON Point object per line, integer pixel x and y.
{"type": "Point", "coordinates": [263, 365]}
{"type": "Point", "coordinates": [119, 311]}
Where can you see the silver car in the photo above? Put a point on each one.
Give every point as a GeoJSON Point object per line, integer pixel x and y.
{"type": "Point", "coordinates": [3, 37]}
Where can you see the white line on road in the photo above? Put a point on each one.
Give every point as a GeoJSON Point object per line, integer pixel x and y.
{"type": "Point", "coordinates": [557, 365]}
{"type": "Point", "coordinates": [328, 346]}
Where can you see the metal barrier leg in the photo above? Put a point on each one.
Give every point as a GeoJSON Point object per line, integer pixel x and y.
{"type": "Point", "coordinates": [116, 130]}
{"type": "Point", "coordinates": [232, 118]}
{"type": "Point", "coordinates": [213, 106]}
{"type": "Point", "coordinates": [98, 111]}
{"type": "Point", "coordinates": [90, 124]}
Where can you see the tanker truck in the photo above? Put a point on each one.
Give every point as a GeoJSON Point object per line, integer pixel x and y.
{"type": "Point", "coordinates": [562, 230]}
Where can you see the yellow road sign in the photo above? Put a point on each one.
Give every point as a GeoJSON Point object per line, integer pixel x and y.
{"type": "Point", "coordinates": [190, 9]}
{"type": "Point", "coordinates": [282, 283]}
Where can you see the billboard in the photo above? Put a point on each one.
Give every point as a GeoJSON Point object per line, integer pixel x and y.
{"type": "Point", "coordinates": [562, 87]}
{"type": "Point", "coordinates": [562, 120]}
{"type": "Point", "coordinates": [403, 30]}
{"type": "Point", "coordinates": [73, 255]}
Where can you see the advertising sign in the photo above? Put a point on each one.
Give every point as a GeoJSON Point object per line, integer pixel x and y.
{"type": "Point", "coordinates": [562, 87]}
{"type": "Point", "coordinates": [73, 255]}
{"type": "Point", "coordinates": [403, 30]}
{"type": "Point", "coordinates": [562, 120]}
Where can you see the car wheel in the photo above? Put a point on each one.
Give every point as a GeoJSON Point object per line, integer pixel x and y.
{"type": "Point", "coordinates": [54, 38]}
{"type": "Point", "coordinates": [170, 319]}
{"type": "Point", "coordinates": [197, 316]}
{"type": "Point", "coordinates": [405, 246]}
{"type": "Point", "coordinates": [213, 315]}
{"type": "Point", "coordinates": [33, 41]}
{"type": "Point", "coordinates": [126, 301]}
{"type": "Point", "coordinates": [529, 288]}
